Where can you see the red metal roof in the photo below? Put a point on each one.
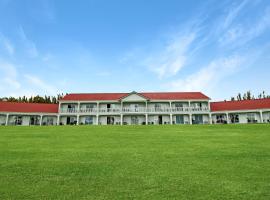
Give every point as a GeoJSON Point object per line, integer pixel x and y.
{"type": "Point", "coordinates": [174, 95]}
{"type": "Point", "coordinates": [148, 95]}
{"type": "Point", "coordinates": [28, 107]}
{"type": "Point", "coordinates": [240, 105]}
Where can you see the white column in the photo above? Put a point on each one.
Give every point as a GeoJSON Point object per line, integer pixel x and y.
{"type": "Point", "coordinates": [41, 117]}
{"type": "Point", "coordinates": [97, 116]}
{"type": "Point", "coordinates": [58, 120]}
{"type": "Point", "coordinates": [227, 116]}
{"type": "Point", "coordinates": [210, 118]}
{"type": "Point", "coordinates": [261, 116]}
{"type": "Point", "coordinates": [121, 118]}
{"type": "Point", "coordinates": [78, 109]}
{"type": "Point", "coordinates": [7, 119]}
{"type": "Point", "coordinates": [78, 118]}
{"type": "Point", "coordinates": [190, 118]}
{"type": "Point", "coordinates": [146, 111]}
{"type": "Point", "coordinates": [171, 119]}
{"type": "Point", "coordinates": [97, 119]}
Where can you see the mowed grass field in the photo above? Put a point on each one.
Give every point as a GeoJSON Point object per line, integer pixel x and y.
{"type": "Point", "coordinates": [211, 162]}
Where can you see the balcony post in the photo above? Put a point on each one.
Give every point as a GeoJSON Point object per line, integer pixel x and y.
{"type": "Point", "coordinates": [78, 118]}
{"type": "Point", "coordinates": [121, 118]}
{"type": "Point", "coordinates": [41, 118]}
{"type": "Point", "coordinates": [261, 116]}
{"type": "Point", "coordinates": [190, 118]}
{"type": "Point", "coordinates": [210, 118]}
{"type": "Point", "coordinates": [78, 109]}
{"type": "Point", "coordinates": [171, 119]}
{"type": "Point", "coordinates": [58, 120]}
{"type": "Point", "coordinates": [146, 119]}
{"type": "Point", "coordinates": [97, 116]}
{"type": "Point", "coordinates": [227, 116]}
{"type": "Point", "coordinates": [7, 119]}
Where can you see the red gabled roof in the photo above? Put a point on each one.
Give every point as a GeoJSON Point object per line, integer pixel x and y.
{"type": "Point", "coordinates": [174, 95]}
{"type": "Point", "coordinates": [240, 105]}
{"type": "Point", "coordinates": [93, 96]}
{"type": "Point", "coordinates": [147, 95]}
{"type": "Point", "coordinates": [28, 107]}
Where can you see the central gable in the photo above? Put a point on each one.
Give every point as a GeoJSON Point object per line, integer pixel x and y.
{"type": "Point", "coordinates": [133, 96]}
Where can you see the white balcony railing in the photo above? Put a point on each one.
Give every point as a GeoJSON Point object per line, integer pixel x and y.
{"type": "Point", "coordinates": [134, 110]}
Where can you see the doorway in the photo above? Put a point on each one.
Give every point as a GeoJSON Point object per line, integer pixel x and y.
{"type": "Point", "coordinates": [68, 120]}
{"type": "Point", "coordinates": [160, 119]}
{"type": "Point", "coordinates": [110, 120]}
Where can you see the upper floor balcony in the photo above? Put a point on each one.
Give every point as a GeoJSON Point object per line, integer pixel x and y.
{"type": "Point", "coordinates": [134, 110]}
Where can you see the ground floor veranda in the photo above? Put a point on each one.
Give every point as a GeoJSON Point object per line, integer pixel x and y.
{"type": "Point", "coordinates": [139, 119]}
{"type": "Point", "coordinates": [35, 119]}
{"type": "Point", "coordinates": [234, 117]}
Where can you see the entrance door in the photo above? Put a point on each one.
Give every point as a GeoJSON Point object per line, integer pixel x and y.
{"type": "Point", "coordinates": [68, 120]}
{"type": "Point", "coordinates": [160, 119]}
{"type": "Point", "coordinates": [110, 120]}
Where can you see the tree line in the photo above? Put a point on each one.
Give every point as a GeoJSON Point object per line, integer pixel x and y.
{"type": "Point", "coordinates": [34, 99]}
{"type": "Point", "coordinates": [249, 96]}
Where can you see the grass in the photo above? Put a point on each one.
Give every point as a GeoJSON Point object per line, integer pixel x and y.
{"type": "Point", "coordinates": [135, 162]}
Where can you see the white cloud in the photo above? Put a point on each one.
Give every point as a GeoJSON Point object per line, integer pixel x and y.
{"type": "Point", "coordinates": [8, 77]}
{"type": "Point", "coordinates": [241, 34]}
{"type": "Point", "coordinates": [30, 46]}
{"type": "Point", "coordinates": [40, 85]}
{"type": "Point", "coordinates": [170, 60]}
{"type": "Point", "coordinates": [233, 13]}
{"type": "Point", "coordinates": [209, 76]}
{"type": "Point", "coordinates": [7, 44]}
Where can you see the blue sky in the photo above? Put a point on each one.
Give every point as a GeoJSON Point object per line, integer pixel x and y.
{"type": "Point", "coordinates": [217, 47]}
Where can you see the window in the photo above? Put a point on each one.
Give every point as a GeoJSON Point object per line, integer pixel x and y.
{"type": "Point", "coordinates": [220, 119]}
{"type": "Point", "coordinates": [179, 119]}
{"type": "Point", "coordinates": [179, 105]}
{"type": "Point", "coordinates": [134, 120]}
{"type": "Point", "coordinates": [157, 107]}
{"type": "Point", "coordinates": [18, 120]}
{"type": "Point", "coordinates": [197, 119]}
{"type": "Point", "coordinates": [234, 118]}
{"type": "Point", "coordinates": [71, 108]}
{"type": "Point", "coordinates": [49, 121]}
{"type": "Point", "coordinates": [251, 118]}
{"type": "Point", "coordinates": [88, 120]}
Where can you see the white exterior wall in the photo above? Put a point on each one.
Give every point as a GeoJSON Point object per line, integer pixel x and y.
{"type": "Point", "coordinates": [63, 119]}
{"type": "Point", "coordinates": [127, 119]}
{"type": "Point", "coordinates": [82, 119]}
{"type": "Point", "coordinates": [132, 105]}
{"type": "Point", "coordinates": [162, 104]}
{"type": "Point", "coordinates": [2, 119]}
{"type": "Point", "coordinates": [134, 97]}
{"type": "Point", "coordinates": [113, 105]}
{"type": "Point", "coordinates": [83, 105]}
{"type": "Point", "coordinates": [266, 117]}
{"type": "Point", "coordinates": [44, 119]}
{"type": "Point", "coordinates": [103, 119]}
{"type": "Point", "coordinates": [154, 118]}
{"type": "Point", "coordinates": [186, 119]}
{"type": "Point", "coordinates": [185, 104]}
{"type": "Point", "coordinates": [194, 104]}
{"type": "Point", "coordinates": [65, 105]}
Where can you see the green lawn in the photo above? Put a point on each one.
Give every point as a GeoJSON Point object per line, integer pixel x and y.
{"type": "Point", "coordinates": [135, 162]}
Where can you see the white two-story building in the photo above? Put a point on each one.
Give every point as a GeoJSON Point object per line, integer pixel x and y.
{"type": "Point", "coordinates": [135, 109]}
